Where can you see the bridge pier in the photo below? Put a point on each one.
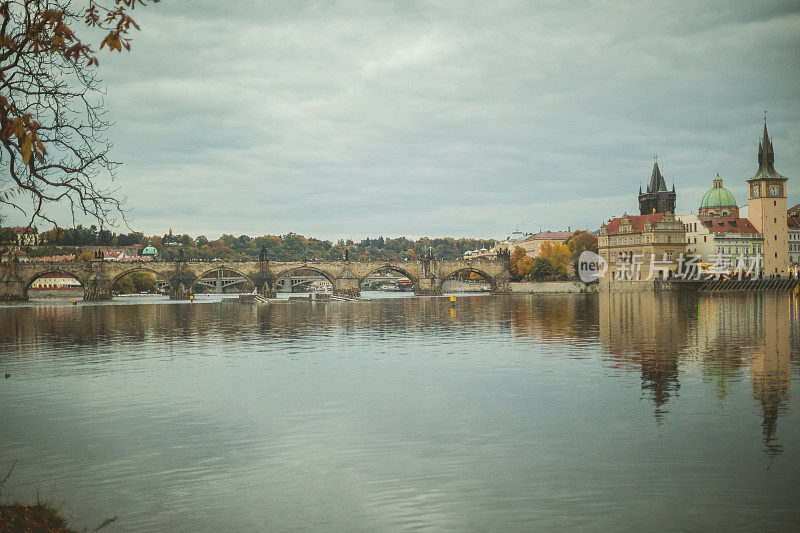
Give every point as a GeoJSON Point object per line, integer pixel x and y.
{"type": "Point", "coordinates": [12, 288]}
{"type": "Point", "coordinates": [180, 292]}
{"type": "Point", "coordinates": [98, 287]}
{"type": "Point", "coordinates": [287, 284]}
{"type": "Point", "coordinates": [347, 284]}
{"type": "Point", "coordinates": [268, 292]}
{"type": "Point", "coordinates": [501, 285]}
{"type": "Point", "coordinates": [97, 293]}
{"type": "Point", "coordinates": [430, 286]}
{"type": "Point", "coordinates": [181, 283]}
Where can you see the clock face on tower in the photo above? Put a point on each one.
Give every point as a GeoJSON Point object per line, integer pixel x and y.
{"type": "Point", "coordinates": [773, 190]}
{"type": "Point", "coordinates": [755, 191]}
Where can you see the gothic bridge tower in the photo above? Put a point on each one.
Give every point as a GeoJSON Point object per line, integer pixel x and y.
{"type": "Point", "coordinates": [657, 199]}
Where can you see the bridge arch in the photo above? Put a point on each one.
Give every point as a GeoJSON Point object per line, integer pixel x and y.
{"type": "Point", "coordinates": [277, 278]}
{"type": "Point", "coordinates": [223, 268]}
{"type": "Point", "coordinates": [488, 277]}
{"type": "Point", "coordinates": [389, 266]}
{"type": "Point", "coordinates": [135, 269]}
{"type": "Point", "coordinates": [48, 271]}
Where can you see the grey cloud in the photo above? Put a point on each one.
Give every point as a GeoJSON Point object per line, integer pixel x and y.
{"type": "Point", "coordinates": [445, 118]}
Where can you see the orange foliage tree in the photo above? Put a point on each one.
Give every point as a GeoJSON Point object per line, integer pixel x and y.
{"type": "Point", "coordinates": [520, 263]}
{"type": "Point", "coordinates": [559, 257]}
{"type": "Point", "coordinates": [52, 121]}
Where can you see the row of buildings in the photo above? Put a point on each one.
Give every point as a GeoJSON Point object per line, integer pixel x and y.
{"type": "Point", "coordinates": [530, 242]}
{"type": "Point", "coordinates": [764, 243]}
{"type": "Point", "coordinates": [104, 253]}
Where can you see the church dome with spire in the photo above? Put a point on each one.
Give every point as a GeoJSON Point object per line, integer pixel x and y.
{"type": "Point", "coordinates": [150, 250]}
{"type": "Point", "coordinates": [719, 201]}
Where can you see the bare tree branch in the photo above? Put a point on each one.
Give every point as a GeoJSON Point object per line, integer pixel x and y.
{"type": "Point", "coordinates": [53, 126]}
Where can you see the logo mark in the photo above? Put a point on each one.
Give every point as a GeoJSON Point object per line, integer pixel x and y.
{"type": "Point", "coordinates": [591, 266]}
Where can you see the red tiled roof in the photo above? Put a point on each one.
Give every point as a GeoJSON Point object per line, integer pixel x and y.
{"type": "Point", "coordinates": [14, 252]}
{"type": "Point", "coordinates": [793, 222]}
{"type": "Point", "coordinates": [728, 224]}
{"type": "Point", "coordinates": [57, 275]}
{"type": "Point", "coordinates": [56, 258]}
{"type": "Point", "coordinates": [637, 221]}
{"type": "Point", "coordinates": [20, 229]}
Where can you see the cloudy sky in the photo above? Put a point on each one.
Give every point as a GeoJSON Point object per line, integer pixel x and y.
{"type": "Point", "coordinates": [347, 119]}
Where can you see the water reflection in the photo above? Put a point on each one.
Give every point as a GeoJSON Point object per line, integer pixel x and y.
{"type": "Point", "coordinates": [647, 334]}
{"type": "Point", "coordinates": [725, 335]}
{"type": "Point", "coordinates": [504, 413]}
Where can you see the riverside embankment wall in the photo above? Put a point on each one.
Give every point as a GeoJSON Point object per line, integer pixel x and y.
{"type": "Point", "coordinates": [564, 287]}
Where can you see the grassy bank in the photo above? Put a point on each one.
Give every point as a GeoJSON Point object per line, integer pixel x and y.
{"type": "Point", "coordinates": [39, 517]}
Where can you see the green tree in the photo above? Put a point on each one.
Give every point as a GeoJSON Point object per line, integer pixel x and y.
{"type": "Point", "coordinates": [7, 236]}
{"type": "Point", "coordinates": [143, 281]}
{"type": "Point", "coordinates": [542, 269]}
{"type": "Point", "coordinates": [124, 285]}
{"type": "Point", "coordinates": [135, 282]}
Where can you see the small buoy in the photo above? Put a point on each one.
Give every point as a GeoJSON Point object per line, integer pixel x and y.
{"type": "Point", "coordinates": [74, 301]}
{"type": "Point", "coordinates": [452, 298]}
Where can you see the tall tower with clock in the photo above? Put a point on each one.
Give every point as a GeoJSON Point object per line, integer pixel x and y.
{"type": "Point", "coordinates": [767, 209]}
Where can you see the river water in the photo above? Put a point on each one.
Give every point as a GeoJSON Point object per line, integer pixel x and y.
{"type": "Point", "coordinates": [501, 413]}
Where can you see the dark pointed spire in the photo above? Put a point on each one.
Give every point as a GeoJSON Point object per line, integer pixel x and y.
{"type": "Point", "coordinates": [657, 198]}
{"type": "Point", "coordinates": [766, 156]}
{"type": "Point", "coordinates": [656, 179]}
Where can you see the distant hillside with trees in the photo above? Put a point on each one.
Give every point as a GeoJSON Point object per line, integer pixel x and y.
{"type": "Point", "coordinates": [289, 247]}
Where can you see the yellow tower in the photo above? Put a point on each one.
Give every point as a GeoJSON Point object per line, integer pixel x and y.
{"type": "Point", "coordinates": [767, 209]}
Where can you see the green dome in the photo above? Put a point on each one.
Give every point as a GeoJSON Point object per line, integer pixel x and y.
{"type": "Point", "coordinates": [150, 249]}
{"type": "Point", "coordinates": [718, 196]}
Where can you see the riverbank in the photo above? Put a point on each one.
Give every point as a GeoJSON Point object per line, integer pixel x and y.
{"type": "Point", "coordinates": [551, 287]}
{"type": "Point", "coordinates": [39, 517]}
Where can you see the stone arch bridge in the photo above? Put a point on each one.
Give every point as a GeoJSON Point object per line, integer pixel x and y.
{"type": "Point", "coordinates": [346, 277]}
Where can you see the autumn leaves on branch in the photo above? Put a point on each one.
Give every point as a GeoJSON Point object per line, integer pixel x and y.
{"type": "Point", "coordinates": [51, 117]}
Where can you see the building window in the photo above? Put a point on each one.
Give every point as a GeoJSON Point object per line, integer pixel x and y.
{"type": "Point", "coordinates": [704, 238]}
